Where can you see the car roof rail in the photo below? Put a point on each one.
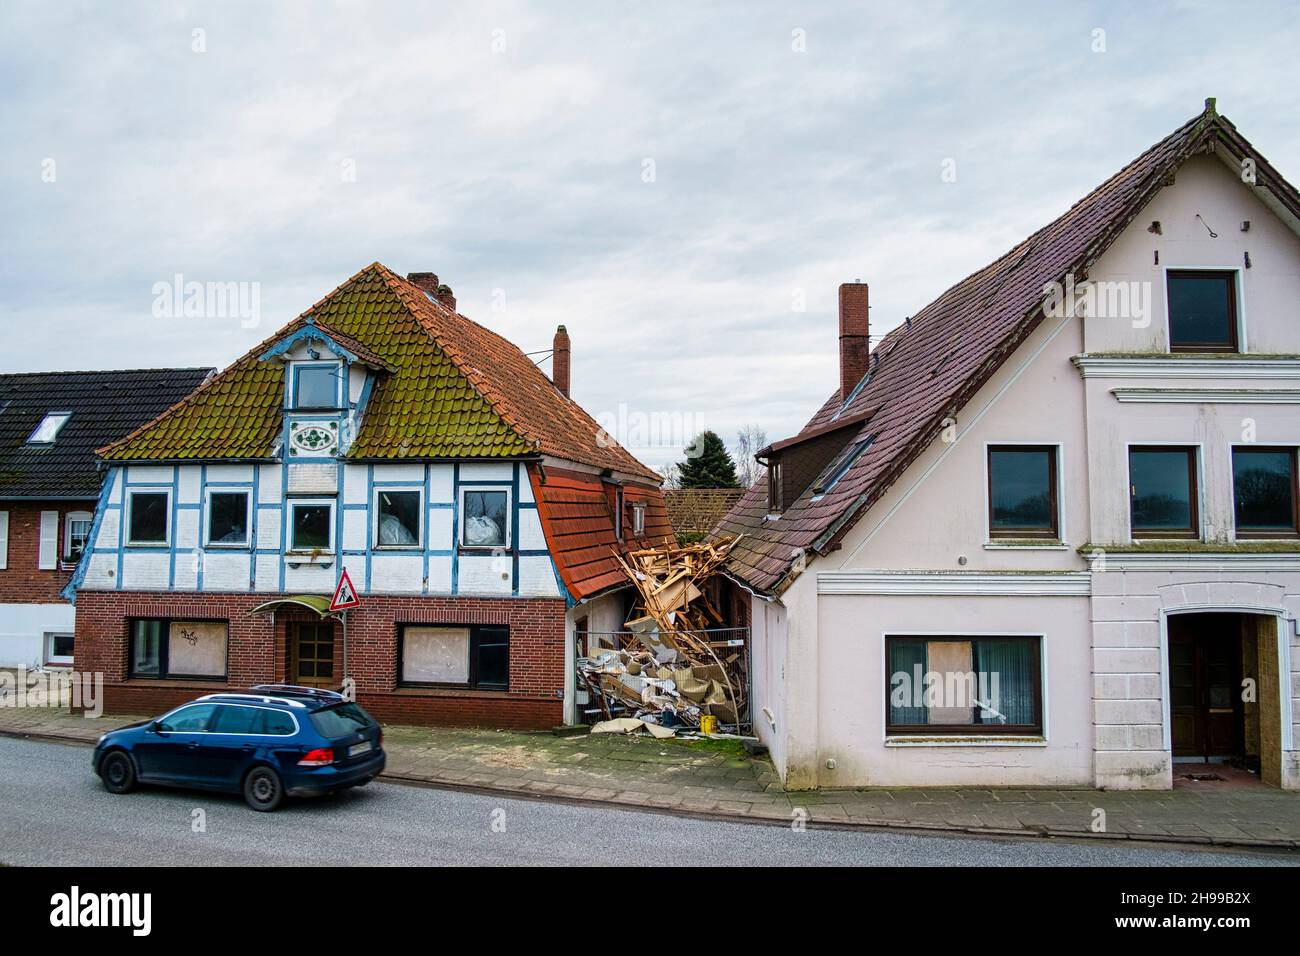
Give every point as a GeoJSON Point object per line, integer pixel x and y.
{"type": "Point", "coordinates": [299, 689]}
{"type": "Point", "coordinates": [263, 698]}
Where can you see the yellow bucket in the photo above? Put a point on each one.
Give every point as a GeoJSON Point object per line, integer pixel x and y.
{"type": "Point", "coordinates": [708, 724]}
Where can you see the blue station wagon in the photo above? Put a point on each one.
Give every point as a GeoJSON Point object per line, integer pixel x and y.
{"type": "Point", "coordinates": [275, 740]}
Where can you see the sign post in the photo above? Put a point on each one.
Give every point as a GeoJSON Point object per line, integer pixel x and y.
{"type": "Point", "coordinates": [345, 597]}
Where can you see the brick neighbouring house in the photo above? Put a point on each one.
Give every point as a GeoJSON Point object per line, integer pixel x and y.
{"type": "Point", "coordinates": [474, 505]}
{"type": "Point", "coordinates": [50, 425]}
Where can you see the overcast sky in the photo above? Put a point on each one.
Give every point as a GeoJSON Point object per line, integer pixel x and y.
{"type": "Point", "coordinates": [670, 181]}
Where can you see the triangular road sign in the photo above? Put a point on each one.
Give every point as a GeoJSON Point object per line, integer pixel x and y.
{"type": "Point", "coordinates": [345, 595]}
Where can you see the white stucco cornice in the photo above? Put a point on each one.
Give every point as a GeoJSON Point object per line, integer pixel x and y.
{"type": "Point", "coordinates": [1225, 561]}
{"type": "Point", "coordinates": [1232, 396]}
{"type": "Point", "coordinates": [969, 583]}
{"type": "Point", "coordinates": [1180, 366]}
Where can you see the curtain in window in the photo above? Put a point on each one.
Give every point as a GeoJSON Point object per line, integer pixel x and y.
{"type": "Point", "coordinates": [1013, 663]}
{"type": "Point", "coordinates": [907, 658]}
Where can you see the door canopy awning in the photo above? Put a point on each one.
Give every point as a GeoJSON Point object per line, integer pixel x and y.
{"type": "Point", "coordinates": [313, 602]}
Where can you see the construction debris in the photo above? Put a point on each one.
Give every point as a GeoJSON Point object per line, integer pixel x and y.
{"type": "Point", "coordinates": [676, 662]}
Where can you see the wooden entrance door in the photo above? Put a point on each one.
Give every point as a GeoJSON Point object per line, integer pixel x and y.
{"type": "Point", "coordinates": [1205, 708]}
{"type": "Point", "coordinates": [313, 654]}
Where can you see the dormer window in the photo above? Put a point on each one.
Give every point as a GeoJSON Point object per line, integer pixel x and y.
{"type": "Point", "coordinates": [775, 504]}
{"type": "Point", "coordinates": [48, 429]}
{"type": "Point", "coordinates": [316, 386]}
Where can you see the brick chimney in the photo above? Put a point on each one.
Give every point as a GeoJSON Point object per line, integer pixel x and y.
{"type": "Point", "coordinates": [855, 350]}
{"type": "Point", "coordinates": [444, 296]}
{"type": "Point", "coordinates": [424, 281]}
{"type": "Point", "coordinates": [560, 361]}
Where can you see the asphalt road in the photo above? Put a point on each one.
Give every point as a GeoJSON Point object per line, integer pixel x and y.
{"type": "Point", "coordinates": [53, 811]}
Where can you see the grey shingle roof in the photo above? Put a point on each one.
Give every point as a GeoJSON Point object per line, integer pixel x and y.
{"type": "Point", "coordinates": [104, 406]}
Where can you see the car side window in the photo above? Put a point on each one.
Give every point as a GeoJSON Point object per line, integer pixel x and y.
{"type": "Point", "coordinates": [236, 720]}
{"type": "Point", "coordinates": [276, 723]}
{"type": "Point", "coordinates": [189, 719]}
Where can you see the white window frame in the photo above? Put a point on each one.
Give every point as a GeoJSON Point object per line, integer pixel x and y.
{"type": "Point", "coordinates": [420, 513]}
{"type": "Point", "coordinates": [248, 518]}
{"type": "Point", "coordinates": [296, 502]}
{"type": "Point", "coordinates": [638, 518]}
{"type": "Point", "coordinates": [68, 518]}
{"type": "Point", "coordinates": [4, 540]}
{"type": "Point", "coordinates": [47, 649]}
{"type": "Point", "coordinates": [503, 489]}
{"type": "Point", "coordinates": [339, 385]}
{"type": "Point", "coordinates": [33, 440]}
{"type": "Point", "coordinates": [1004, 544]}
{"type": "Point", "coordinates": [130, 507]}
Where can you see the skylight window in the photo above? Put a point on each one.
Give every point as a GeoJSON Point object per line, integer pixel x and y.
{"type": "Point", "coordinates": [846, 461]}
{"type": "Point", "coordinates": [48, 429]}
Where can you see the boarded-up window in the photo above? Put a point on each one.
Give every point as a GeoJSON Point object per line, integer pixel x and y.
{"type": "Point", "coordinates": [162, 648]}
{"type": "Point", "coordinates": [435, 655]}
{"type": "Point", "coordinates": [197, 647]}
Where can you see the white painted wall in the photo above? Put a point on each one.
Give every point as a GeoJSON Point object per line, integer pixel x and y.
{"type": "Point", "coordinates": [187, 564]}
{"type": "Point", "coordinates": [819, 658]}
{"type": "Point", "coordinates": [23, 628]}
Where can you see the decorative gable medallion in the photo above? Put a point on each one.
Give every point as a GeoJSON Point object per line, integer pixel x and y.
{"type": "Point", "coordinates": [313, 439]}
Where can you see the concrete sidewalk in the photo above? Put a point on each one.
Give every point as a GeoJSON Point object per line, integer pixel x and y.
{"type": "Point", "coordinates": [717, 778]}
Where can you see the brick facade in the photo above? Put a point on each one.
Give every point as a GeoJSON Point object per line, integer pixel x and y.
{"type": "Point", "coordinates": [259, 651]}
{"type": "Point", "coordinates": [22, 581]}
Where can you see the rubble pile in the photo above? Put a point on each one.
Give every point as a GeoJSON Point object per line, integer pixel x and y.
{"type": "Point", "coordinates": [670, 670]}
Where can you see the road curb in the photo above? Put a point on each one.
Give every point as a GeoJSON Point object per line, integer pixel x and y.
{"type": "Point", "coordinates": [886, 826]}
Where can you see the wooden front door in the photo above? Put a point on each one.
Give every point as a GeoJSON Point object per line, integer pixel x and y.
{"type": "Point", "coordinates": [1205, 709]}
{"type": "Point", "coordinates": [313, 654]}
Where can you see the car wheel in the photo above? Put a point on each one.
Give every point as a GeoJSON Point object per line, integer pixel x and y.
{"type": "Point", "coordinates": [118, 772]}
{"type": "Point", "coordinates": [262, 789]}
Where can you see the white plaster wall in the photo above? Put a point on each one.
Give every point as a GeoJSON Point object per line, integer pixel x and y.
{"type": "Point", "coordinates": [396, 573]}
{"type": "Point", "coordinates": [851, 675]}
{"type": "Point", "coordinates": [23, 628]}
{"type": "Point", "coordinates": [439, 574]}
{"type": "Point", "coordinates": [355, 479]}
{"type": "Point", "coordinates": [1269, 289]}
{"type": "Point", "coordinates": [767, 658]}
{"type": "Point", "coordinates": [531, 537]}
{"type": "Point", "coordinates": [225, 571]}
{"type": "Point", "coordinates": [440, 531]}
{"type": "Point", "coordinates": [441, 483]}
{"type": "Point", "coordinates": [1035, 398]}
{"type": "Point", "coordinates": [485, 574]}
{"type": "Point", "coordinates": [537, 577]}
{"type": "Point", "coordinates": [268, 572]}
{"type": "Point", "coordinates": [471, 472]}
{"type": "Point", "coordinates": [413, 473]}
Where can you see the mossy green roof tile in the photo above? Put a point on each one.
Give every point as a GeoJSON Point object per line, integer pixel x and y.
{"type": "Point", "coordinates": [448, 388]}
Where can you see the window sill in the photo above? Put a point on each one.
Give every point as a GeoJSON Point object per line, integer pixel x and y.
{"type": "Point", "coordinates": [953, 740]}
{"type": "Point", "coordinates": [215, 546]}
{"type": "Point", "coordinates": [204, 682]}
{"type": "Point", "coordinates": [408, 691]}
{"type": "Point", "coordinates": [1025, 544]}
{"type": "Point", "coordinates": [488, 549]}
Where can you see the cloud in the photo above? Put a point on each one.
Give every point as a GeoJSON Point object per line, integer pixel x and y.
{"type": "Point", "coordinates": [505, 147]}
